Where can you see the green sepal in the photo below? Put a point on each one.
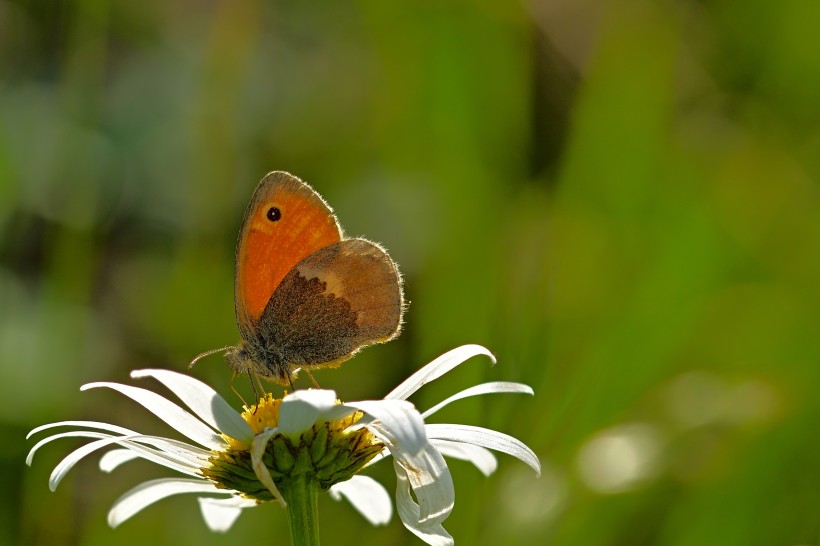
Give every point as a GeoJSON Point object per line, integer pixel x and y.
{"type": "Point", "coordinates": [283, 458]}
{"type": "Point", "coordinates": [319, 446]}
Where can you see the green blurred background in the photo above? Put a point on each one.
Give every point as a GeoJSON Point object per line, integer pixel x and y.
{"type": "Point", "coordinates": [619, 198]}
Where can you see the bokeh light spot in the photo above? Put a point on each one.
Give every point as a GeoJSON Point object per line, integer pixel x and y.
{"type": "Point", "coordinates": [616, 459]}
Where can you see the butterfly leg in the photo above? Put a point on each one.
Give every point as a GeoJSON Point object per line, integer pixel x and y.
{"type": "Point", "coordinates": [312, 379]}
{"type": "Point", "coordinates": [236, 392]}
{"type": "Point", "coordinates": [259, 391]}
{"type": "Point", "coordinates": [290, 382]}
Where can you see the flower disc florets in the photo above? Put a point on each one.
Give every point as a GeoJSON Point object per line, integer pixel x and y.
{"type": "Point", "coordinates": [327, 453]}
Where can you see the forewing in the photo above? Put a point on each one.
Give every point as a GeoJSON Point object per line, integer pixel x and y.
{"type": "Point", "coordinates": [268, 249]}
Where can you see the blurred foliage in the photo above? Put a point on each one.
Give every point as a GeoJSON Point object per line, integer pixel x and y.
{"type": "Point", "coordinates": [620, 198]}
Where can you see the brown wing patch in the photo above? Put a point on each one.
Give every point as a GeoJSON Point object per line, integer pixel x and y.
{"type": "Point", "coordinates": [334, 302]}
{"type": "Point", "coordinates": [271, 244]}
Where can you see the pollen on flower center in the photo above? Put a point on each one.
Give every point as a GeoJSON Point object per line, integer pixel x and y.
{"type": "Point", "coordinates": [264, 414]}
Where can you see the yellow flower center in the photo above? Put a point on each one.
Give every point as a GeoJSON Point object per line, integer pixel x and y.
{"type": "Point", "coordinates": [328, 452]}
{"type": "Point", "coordinates": [263, 415]}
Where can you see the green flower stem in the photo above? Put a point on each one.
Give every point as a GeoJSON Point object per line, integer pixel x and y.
{"type": "Point", "coordinates": [302, 494]}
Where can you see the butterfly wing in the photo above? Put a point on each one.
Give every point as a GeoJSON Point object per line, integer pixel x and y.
{"type": "Point", "coordinates": [331, 304]}
{"type": "Point", "coordinates": [285, 222]}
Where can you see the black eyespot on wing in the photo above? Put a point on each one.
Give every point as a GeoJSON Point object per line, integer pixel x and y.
{"type": "Point", "coordinates": [274, 214]}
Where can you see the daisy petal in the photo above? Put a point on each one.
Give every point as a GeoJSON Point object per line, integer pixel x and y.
{"type": "Point", "coordinates": [260, 441]}
{"type": "Point", "coordinates": [397, 421]}
{"type": "Point", "coordinates": [302, 409]}
{"type": "Point", "coordinates": [482, 458]}
{"type": "Point", "coordinates": [72, 434]}
{"type": "Point", "coordinates": [409, 512]}
{"type": "Point", "coordinates": [220, 514]}
{"type": "Point", "coordinates": [169, 444]}
{"type": "Point", "coordinates": [436, 369]}
{"type": "Point", "coordinates": [484, 388]}
{"type": "Point", "coordinates": [367, 496]}
{"type": "Point", "coordinates": [111, 460]}
{"type": "Point", "coordinates": [147, 493]}
{"type": "Point", "coordinates": [205, 402]}
{"type": "Point", "coordinates": [169, 460]}
{"type": "Point", "coordinates": [485, 437]}
{"type": "Point", "coordinates": [431, 482]}
{"type": "Point", "coordinates": [180, 452]}
{"type": "Point", "coordinates": [175, 416]}
{"type": "Point", "coordinates": [88, 424]}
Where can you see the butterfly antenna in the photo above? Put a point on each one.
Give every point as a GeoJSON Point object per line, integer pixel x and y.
{"type": "Point", "coordinates": [198, 357]}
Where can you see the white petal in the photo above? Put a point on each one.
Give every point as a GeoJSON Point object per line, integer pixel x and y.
{"type": "Point", "coordinates": [486, 438]}
{"type": "Point", "coordinates": [205, 402]}
{"type": "Point", "coordinates": [146, 494]}
{"type": "Point", "coordinates": [175, 416]}
{"type": "Point", "coordinates": [72, 434]}
{"type": "Point", "coordinates": [482, 458]}
{"type": "Point", "coordinates": [169, 460]}
{"type": "Point", "coordinates": [88, 424]}
{"type": "Point", "coordinates": [431, 482]}
{"type": "Point", "coordinates": [436, 369]}
{"type": "Point", "coordinates": [367, 496]}
{"type": "Point", "coordinates": [116, 457]}
{"type": "Point", "coordinates": [484, 388]}
{"type": "Point", "coordinates": [433, 534]}
{"type": "Point", "coordinates": [178, 451]}
{"type": "Point", "coordinates": [169, 457]}
{"type": "Point", "coordinates": [220, 514]}
{"type": "Point", "coordinates": [260, 441]}
{"type": "Point", "coordinates": [397, 421]}
{"type": "Point", "coordinates": [300, 410]}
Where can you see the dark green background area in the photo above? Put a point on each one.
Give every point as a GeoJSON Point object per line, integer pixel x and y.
{"type": "Point", "coordinates": [619, 198]}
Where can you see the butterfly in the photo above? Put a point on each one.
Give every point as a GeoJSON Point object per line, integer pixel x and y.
{"type": "Point", "coordinates": [306, 297]}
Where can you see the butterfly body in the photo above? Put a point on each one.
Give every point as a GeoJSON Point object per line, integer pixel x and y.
{"type": "Point", "coordinates": [306, 297]}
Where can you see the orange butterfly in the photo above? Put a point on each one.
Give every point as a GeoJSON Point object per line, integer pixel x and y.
{"type": "Point", "coordinates": [306, 297]}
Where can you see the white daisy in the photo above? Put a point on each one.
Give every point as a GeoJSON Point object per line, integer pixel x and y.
{"type": "Point", "coordinates": [287, 450]}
